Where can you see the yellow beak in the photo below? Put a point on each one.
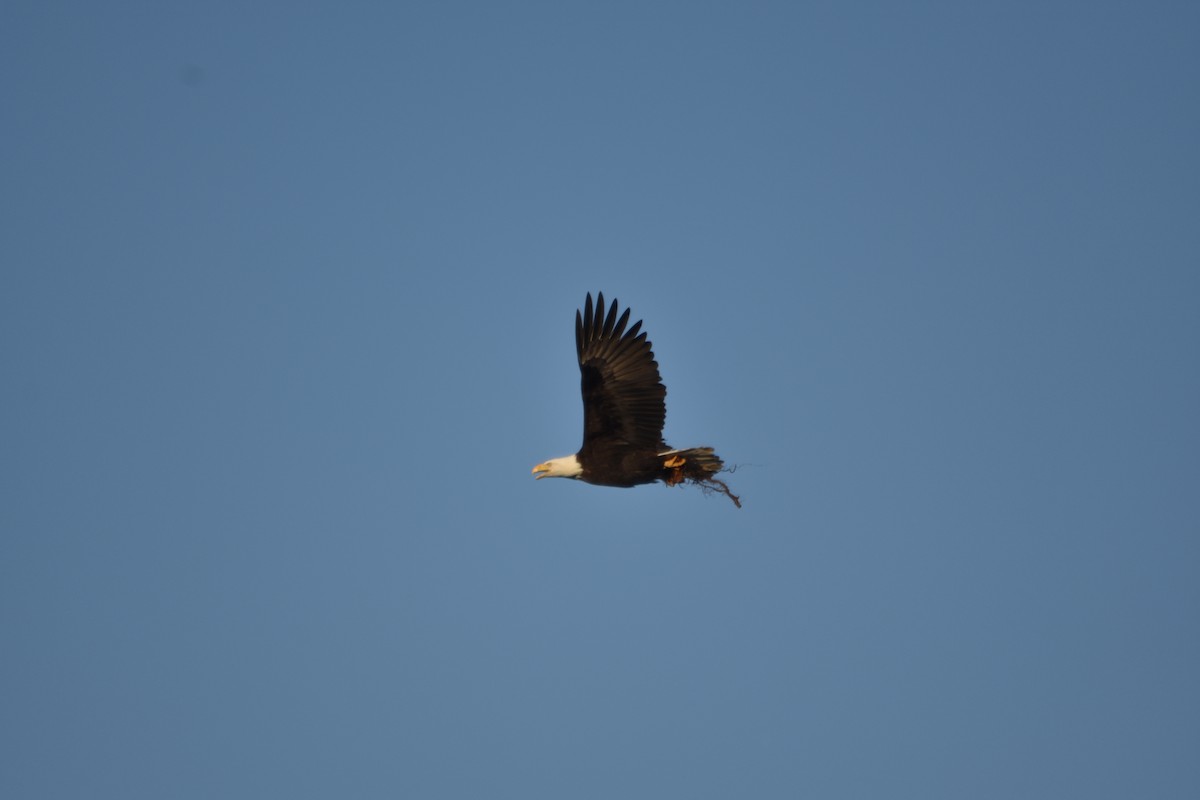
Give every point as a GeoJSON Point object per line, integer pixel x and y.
{"type": "Point", "coordinates": [540, 468]}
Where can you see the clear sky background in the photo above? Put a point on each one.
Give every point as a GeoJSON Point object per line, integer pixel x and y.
{"type": "Point", "coordinates": [287, 299]}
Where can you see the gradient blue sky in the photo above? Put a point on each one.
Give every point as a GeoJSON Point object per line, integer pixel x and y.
{"type": "Point", "coordinates": [286, 317]}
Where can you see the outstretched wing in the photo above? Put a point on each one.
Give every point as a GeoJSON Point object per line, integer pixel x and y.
{"type": "Point", "coordinates": [624, 400]}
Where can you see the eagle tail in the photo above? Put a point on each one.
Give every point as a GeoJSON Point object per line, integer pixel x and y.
{"type": "Point", "coordinates": [694, 462]}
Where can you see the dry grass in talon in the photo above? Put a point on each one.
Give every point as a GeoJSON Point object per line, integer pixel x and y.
{"type": "Point", "coordinates": [710, 485]}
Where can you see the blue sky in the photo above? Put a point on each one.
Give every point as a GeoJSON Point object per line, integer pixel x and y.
{"type": "Point", "coordinates": [286, 317]}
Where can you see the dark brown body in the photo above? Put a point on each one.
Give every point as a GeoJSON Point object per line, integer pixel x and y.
{"type": "Point", "coordinates": [634, 468]}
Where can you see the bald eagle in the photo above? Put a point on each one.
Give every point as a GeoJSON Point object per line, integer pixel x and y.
{"type": "Point", "coordinates": [624, 408]}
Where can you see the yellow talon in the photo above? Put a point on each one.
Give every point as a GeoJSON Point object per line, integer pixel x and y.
{"type": "Point", "coordinates": [674, 461]}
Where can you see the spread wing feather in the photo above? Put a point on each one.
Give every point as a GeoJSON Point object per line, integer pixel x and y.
{"type": "Point", "coordinates": [624, 400]}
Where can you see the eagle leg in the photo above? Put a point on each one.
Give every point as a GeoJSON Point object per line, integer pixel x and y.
{"type": "Point", "coordinates": [675, 464]}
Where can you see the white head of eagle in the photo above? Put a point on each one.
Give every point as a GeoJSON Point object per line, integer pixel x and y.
{"type": "Point", "coordinates": [565, 467]}
{"type": "Point", "coordinates": [624, 408]}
